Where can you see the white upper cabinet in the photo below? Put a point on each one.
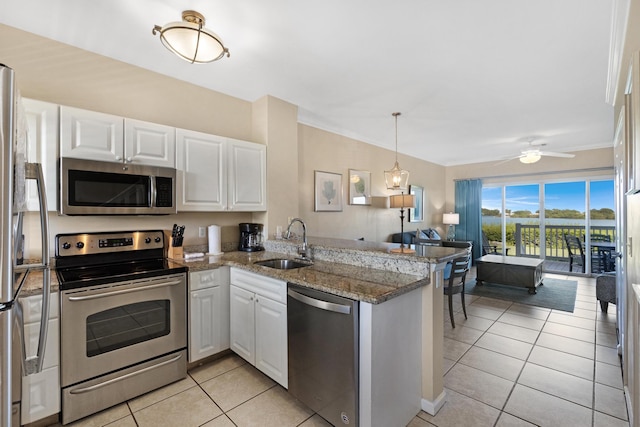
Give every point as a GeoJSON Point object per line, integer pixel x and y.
{"type": "Point", "coordinates": [91, 135]}
{"type": "Point", "coordinates": [42, 147]}
{"type": "Point", "coordinates": [104, 137]}
{"type": "Point", "coordinates": [149, 143]}
{"type": "Point", "coordinates": [220, 174]}
{"type": "Point", "coordinates": [202, 171]}
{"type": "Point", "coordinates": [247, 185]}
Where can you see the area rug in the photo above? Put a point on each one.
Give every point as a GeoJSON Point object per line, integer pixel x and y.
{"type": "Point", "coordinates": [557, 294]}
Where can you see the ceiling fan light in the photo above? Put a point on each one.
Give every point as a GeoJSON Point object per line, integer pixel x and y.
{"type": "Point", "coordinates": [189, 40]}
{"type": "Point", "coordinates": [530, 157]}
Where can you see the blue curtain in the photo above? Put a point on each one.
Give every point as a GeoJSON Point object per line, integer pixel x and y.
{"type": "Point", "coordinates": [468, 204]}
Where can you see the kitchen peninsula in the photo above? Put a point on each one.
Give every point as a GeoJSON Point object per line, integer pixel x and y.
{"type": "Point", "coordinates": [401, 315]}
{"type": "Point", "coordinates": [400, 309]}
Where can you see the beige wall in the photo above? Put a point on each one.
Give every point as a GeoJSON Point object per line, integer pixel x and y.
{"type": "Point", "coordinates": [275, 123]}
{"type": "Point", "coordinates": [328, 152]}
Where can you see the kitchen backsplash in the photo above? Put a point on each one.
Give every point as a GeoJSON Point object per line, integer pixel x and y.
{"type": "Point", "coordinates": [80, 224]}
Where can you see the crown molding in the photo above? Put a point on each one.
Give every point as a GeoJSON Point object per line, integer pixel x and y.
{"type": "Point", "coordinates": [619, 20]}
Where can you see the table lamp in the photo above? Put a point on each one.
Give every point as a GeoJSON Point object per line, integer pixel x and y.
{"type": "Point", "coordinates": [402, 201]}
{"type": "Point", "coordinates": [451, 220]}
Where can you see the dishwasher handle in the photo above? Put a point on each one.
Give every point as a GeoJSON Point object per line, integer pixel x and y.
{"type": "Point", "coordinates": [322, 305]}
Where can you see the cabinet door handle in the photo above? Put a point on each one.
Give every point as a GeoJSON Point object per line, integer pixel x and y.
{"type": "Point", "coordinates": [124, 377]}
{"type": "Point", "coordinates": [322, 305]}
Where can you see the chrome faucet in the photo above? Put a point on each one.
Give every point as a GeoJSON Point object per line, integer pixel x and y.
{"type": "Point", "coordinates": [302, 250]}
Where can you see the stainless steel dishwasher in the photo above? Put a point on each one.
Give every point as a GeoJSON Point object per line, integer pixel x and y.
{"type": "Point", "coordinates": [323, 353]}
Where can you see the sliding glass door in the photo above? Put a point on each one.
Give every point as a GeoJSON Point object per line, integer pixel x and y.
{"type": "Point", "coordinates": [538, 219]}
{"type": "Point", "coordinates": [522, 212]}
{"type": "Point", "coordinates": [565, 218]}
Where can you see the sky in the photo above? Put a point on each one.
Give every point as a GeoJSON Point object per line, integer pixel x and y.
{"type": "Point", "coordinates": [565, 195]}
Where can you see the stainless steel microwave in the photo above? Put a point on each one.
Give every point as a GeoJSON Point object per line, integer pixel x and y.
{"type": "Point", "coordinates": [89, 187]}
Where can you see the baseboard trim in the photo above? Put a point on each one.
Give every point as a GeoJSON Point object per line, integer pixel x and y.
{"type": "Point", "coordinates": [432, 407]}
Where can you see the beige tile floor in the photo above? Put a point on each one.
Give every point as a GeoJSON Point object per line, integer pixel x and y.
{"type": "Point", "coordinates": [506, 365]}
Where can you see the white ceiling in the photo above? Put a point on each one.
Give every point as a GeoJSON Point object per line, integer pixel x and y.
{"type": "Point", "coordinates": [474, 80]}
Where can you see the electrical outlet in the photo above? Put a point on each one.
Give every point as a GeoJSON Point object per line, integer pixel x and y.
{"type": "Point", "coordinates": [202, 231]}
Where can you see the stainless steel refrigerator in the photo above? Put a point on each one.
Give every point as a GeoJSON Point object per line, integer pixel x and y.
{"type": "Point", "coordinates": [14, 172]}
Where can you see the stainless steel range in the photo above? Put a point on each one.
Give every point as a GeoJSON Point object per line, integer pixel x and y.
{"type": "Point", "coordinates": [123, 325]}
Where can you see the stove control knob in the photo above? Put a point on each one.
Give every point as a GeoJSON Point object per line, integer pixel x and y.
{"type": "Point", "coordinates": [66, 245]}
{"type": "Point", "coordinates": [147, 240]}
{"type": "Point", "coordinates": [80, 245]}
{"type": "Point", "coordinates": [157, 239]}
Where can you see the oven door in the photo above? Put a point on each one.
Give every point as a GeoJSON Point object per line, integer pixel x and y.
{"type": "Point", "coordinates": [108, 327]}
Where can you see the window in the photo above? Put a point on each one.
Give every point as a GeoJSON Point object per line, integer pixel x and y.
{"type": "Point", "coordinates": [516, 216]}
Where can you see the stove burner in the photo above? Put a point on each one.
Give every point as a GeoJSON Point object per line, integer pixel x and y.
{"type": "Point", "coordinates": [78, 277]}
{"type": "Point", "coordinates": [88, 261]}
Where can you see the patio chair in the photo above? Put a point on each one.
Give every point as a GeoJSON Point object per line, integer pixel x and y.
{"type": "Point", "coordinates": [489, 249]}
{"type": "Point", "coordinates": [602, 259]}
{"type": "Point", "coordinates": [606, 290]}
{"type": "Point", "coordinates": [576, 251]}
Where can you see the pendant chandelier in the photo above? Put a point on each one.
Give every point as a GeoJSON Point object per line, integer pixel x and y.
{"type": "Point", "coordinates": [190, 40]}
{"type": "Point", "coordinates": [396, 178]}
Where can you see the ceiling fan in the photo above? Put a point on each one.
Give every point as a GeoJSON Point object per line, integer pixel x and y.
{"type": "Point", "coordinates": [533, 154]}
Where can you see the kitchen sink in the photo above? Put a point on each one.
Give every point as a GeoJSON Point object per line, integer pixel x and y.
{"type": "Point", "coordinates": [283, 264]}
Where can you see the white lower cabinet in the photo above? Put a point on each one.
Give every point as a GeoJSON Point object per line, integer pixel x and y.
{"type": "Point", "coordinates": [41, 391]}
{"type": "Point", "coordinates": [259, 322]}
{"type": "Point", "coordinates": [208, 312]}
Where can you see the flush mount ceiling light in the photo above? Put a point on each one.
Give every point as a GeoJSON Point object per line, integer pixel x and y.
{"type": "Point", "coordinates": [396, 178]}
{"type": "Point", "coordinates": [190, 40]}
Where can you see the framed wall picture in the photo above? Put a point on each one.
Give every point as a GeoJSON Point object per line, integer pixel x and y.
{"type": "Point", "coordinates": [359, 187]}
{"type": "Point", "coordinates": [328, 192]}
{"type": "Point", "coordinates": [417, 214]}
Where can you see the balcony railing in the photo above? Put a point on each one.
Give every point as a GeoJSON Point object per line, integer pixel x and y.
{"type": "Point", "coordinates": [527, 239]}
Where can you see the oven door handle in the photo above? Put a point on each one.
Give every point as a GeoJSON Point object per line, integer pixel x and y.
{"type": "Point", "coordinates": [125, 291]}
{"type": "Point", "coordinates": [124, 377]}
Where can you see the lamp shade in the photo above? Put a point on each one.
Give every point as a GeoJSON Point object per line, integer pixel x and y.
{"type": "Point", "coordinates": [190, 40]}
{"type": "Point", "coordinates": [451, 218]}
{"type": "Point", "coordinates": [400, 201]}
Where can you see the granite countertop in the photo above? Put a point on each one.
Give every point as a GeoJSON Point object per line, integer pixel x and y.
{"type": "Point", "coordinates": [33, 284]}
{"type": "Point", "coordinates": [363, 271]}
{"type": "Point", "coordinates": [358, 283]}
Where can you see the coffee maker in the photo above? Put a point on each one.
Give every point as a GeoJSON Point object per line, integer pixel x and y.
{"type": "Point", "coordinates": [250, 237]}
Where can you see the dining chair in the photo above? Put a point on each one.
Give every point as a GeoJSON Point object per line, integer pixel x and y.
{"type": "Point", "coordinates": [455, 281]}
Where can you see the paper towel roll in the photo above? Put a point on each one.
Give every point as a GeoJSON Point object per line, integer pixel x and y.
{"type": "Point", "coordinates": [215, 245]}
